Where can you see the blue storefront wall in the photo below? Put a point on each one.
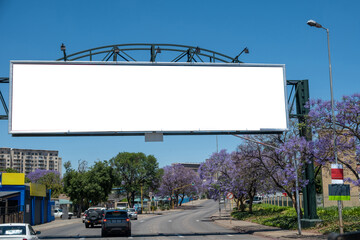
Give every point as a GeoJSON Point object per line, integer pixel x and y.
{"type": "Point", "coordinates": [37, 210]}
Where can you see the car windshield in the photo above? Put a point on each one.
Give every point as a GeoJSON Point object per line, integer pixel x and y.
{"type": "Point", "coordinates": [116, 214]}
{"type": "Point", "coordinates": [95, 210]}
{"type": "Point", "coordinates": [12, 230]}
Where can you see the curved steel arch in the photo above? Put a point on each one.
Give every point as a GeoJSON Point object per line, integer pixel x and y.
{"type": "Point", "coordinates": [125, 52]}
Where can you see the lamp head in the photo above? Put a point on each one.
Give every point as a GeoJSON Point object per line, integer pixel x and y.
{"type": "Point", "coordinates": [62, 48]}
{"type": "Point", "coordinates": [246, 50]}
{"type": "Point", "coordinates": [312, 23]}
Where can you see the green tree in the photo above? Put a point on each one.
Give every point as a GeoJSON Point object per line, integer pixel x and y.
{"type": "Point", "coordinates": [74, 186]}
{"type": "Point", "coordinates": [52, 181]}
{"type": "Point", "coordinates": [133, 170]}
{"type": "Point", "coordinates": [85, 187]}
{"type": "Point", "coordinates": [100, 181]}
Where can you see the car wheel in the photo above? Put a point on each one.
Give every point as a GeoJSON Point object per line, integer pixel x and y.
{"type": "Point", "coordinates": [129, 233]}
{"type": "Point", "coordinates": [103, 234]}
{"type": "Point", "coordinates": [86, 225]}
{"type": "Point", "coordinates": [92, 225]}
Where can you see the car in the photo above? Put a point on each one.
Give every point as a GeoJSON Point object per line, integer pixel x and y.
{"type": "Point", "coordinates": [18, 231]}
{"type": "Point", "coordinates": [84, 216]}
{"type": "Point", "coordinates": [116, 222]}
{"type": "Point", "coordinates": [94, 216]}
{"type": "Point", "coordinates": [58, 213]}
{"type": "Point", "coordinates": [132, 213]}
{"type": "Point", "coordinates": [256, 200]}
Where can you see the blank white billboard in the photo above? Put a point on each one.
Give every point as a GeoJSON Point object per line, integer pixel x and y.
{"type": "Point", "coordinates": [80, 98]}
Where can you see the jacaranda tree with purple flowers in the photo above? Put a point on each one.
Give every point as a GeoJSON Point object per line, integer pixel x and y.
{"type": "Point", "coordinates": [236, 173]}
{"type": "Point", "coordinates": [179, 181]}
{"type": "Point", "coordinates": [50, 178]}
{"type": "Point", "coordinates": [347, 126]}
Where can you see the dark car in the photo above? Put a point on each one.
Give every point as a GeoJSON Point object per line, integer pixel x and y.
{"type": "Point", "coordinates": [116, 222]}
{"type": "Point", "coordinates": [94, 216]}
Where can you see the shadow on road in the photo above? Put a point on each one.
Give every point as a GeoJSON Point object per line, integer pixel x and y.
{"type": "Point", "coordinates": [150, 235]}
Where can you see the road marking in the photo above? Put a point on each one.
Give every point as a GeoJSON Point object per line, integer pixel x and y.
{"type": "Point", "coordinates": [142, 221]}
{"type": "Point", "coordinates": [130, 238]}
{"type": "Point", "coordinates": [198, 220]}
{"type": "Point", "coordinates": [180, 236]}
{"type": "Point", "coordinates": [229, 235]}
{"type": "Point", "coordinates": [170, 220]}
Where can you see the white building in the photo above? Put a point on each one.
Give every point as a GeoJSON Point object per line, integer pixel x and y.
{"type": "Point", "coordinates": [28, 160]}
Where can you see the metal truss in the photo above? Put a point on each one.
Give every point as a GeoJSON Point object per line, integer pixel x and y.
{"type": "Point", "coordinates": [169, 53]}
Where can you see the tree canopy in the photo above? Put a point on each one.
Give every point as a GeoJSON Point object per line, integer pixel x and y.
{"type": "Point", "coordinates": [133, 171]}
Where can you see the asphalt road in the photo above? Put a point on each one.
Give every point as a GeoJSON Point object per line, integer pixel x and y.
{"type": "Point", "coordinates": [193, 223]}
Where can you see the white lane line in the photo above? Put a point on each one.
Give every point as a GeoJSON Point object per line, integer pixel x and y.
{"type": "Point", "coordinates": [198, 220]}
{"type": "Point", "coordinates": [130, 238]}
{"type": "Point", "coordinates": [142, 221]}
{"type": "Point", "coordinates": [180, 236]}
{"type": "Point", "coordinates": [229, 235]}
{"type": "Point", "coordinates": [170, 220]}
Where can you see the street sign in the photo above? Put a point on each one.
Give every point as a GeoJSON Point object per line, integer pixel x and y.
{"type": "Point", "coordinates": [229, 195]}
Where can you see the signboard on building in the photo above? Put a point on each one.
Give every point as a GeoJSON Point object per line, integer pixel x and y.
{"type": "Point", "coordinates": [37, 190]}
{"type": "Point", "coordinates": [12, 178]}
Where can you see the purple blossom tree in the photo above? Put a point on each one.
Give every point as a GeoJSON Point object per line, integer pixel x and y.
{"type": "Point", "coordinates": [179, 181]}
{"type": "Point", "coordinates": [347, 126]}
{"type": "Point", "coordinates": [50, 178]}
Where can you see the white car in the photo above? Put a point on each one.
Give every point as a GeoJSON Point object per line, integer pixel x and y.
{"type": "Point", "coordinates": [58, 213]}
{"type": "Point", "coordinates": [18, 231]}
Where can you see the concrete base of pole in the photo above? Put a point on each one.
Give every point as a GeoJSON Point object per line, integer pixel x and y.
{"type": "Point", "coordinates": [307, 223]}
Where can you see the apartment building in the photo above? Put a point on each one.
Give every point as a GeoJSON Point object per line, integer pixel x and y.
{"type": "Point", "coordinates": [28, 160]}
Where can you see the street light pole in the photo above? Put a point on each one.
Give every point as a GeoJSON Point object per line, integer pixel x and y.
{"type": "Point", "coordinates": [312, 23]}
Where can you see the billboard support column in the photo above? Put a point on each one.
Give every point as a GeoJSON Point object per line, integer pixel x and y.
{"type": "Point", "coordinates": [309, 191]}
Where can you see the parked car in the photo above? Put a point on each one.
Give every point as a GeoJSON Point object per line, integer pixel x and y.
{"type": "Point", "coordinates": [94, 216]}
{"type": "Point", "coordinates": [58, 213]}
{"type": "Point", "coordinates": [132, 213]}
{"type": "Point", "coordinates": [116, 222]}
{"type": "Point", "coordinates": [256, 200]}
{"type": "Point", "coordinates": [18, 231]}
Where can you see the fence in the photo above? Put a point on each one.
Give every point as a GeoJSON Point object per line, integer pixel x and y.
{"type": "Point", "coordinates": [281, 201]}
{"type": "Point", "coordinates": [14, 214]}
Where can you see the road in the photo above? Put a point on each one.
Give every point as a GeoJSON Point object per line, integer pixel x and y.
{"type": "Point", "coordinates": [193, 223]}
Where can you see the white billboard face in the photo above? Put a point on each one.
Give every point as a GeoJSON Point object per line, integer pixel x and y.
{"type": "Point", "coordinates": [76, 98]}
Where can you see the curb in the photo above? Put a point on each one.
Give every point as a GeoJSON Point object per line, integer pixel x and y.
{"type": "Point", "coordinates": [262, 230]}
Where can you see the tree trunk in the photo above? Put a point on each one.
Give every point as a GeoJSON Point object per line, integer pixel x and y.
{"type": "Point", "coordinates": [293, 199]}
{"type": "Point", "coordinates": [182, 199]}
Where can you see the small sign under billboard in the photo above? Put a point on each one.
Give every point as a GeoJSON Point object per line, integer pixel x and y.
{"type": "Point", "coordinates": [102, 98]}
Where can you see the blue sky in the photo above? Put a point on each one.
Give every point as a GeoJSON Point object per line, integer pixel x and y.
{"type": "Point", "coordinates": [274, 31]}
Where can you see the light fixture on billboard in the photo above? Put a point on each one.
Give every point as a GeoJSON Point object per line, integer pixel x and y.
{"type": "Point", "coordinates": [63, 48]}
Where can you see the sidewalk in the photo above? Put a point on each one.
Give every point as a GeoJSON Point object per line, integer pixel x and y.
{"type": "Point", "coordinates": [261, 230]}
{"type": "Point", "coordinates": [58, 222]}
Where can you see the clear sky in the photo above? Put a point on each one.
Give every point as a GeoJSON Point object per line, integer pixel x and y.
{"type": "Point", "coordinates": [274, 31]}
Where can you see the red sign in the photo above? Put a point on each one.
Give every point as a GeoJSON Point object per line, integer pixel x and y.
{"type": "Point", "coordinates": [229, 195]}
{"type": "Point", "coordinates": [337, 174]}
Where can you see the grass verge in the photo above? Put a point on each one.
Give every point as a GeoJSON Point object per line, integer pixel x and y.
{"type": "Point", "coordinates": [286, 218]}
